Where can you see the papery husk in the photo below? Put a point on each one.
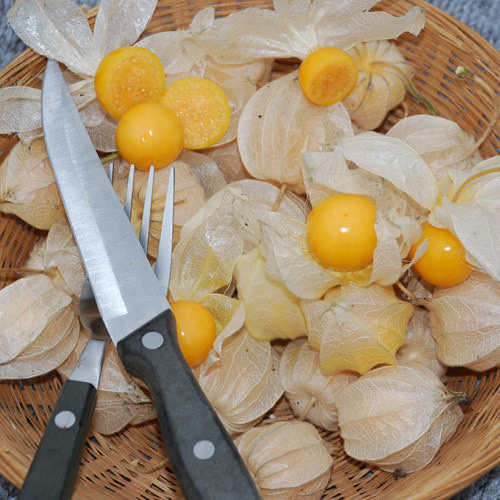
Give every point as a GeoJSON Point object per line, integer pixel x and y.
{"type": "Point", "coordinates": [440, 142]}
{"type": "Point", "coordinates": [279, 124]}
{"type": "Point", "coordinates": [271, 310]}
{"type": "Point", "coordinates": [189, 197]}
{"type": "Point", "coordinates": [120, 400]}
{"type": "Point", "coordinates": [310, 393]}
{"type": "Point", "coordinates": [420, 346]}
{"type": "Point", "coordinates": [397, 417]}
{"type": "Point", "coordinates": [383, 73]}
{"type": "Point", "coordinates": [288, 259]}
{"type": "Point", "coordinates": [470, 209]}
{"type": "Point", "coordinates": [58, 250]}
{"type": "Point", "coordinates": [203, 263]}
{"type": "Point", "coordinates": [27, 186]}
{"type": "Point", "coordinates": [244, 383]}
{"type": "Point", "coordinates": [48, 351]}
{"type": "Point", "coordinates": [205, 170]}
{"type": "Point", "coordinates": [394, 160]}
{"type": "Point", "coordinates": [39, 326]}
{"type": "Point", "coordinates": [397, 220]}
{"type": "Point", "coordinates": [227, 157]}
{"type": "Point", "coordinates": [60, 30]}
{"type": "Point", "coordinates": [465, 323]}
{"type": "Point", "coordinates": [287, 460]}
{"type": "Point", "coordinates": [357, 328]}
{"type": "Point", "coordinates": [181, 58]}
{"type": "Point", "coordinates": [296, 28]}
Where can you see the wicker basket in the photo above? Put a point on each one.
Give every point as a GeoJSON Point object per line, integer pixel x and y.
{"type": "Point", "coordinates": [108, 469]}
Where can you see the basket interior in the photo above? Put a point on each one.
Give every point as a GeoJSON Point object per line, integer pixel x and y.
{"type": "Point", "coordinates": [132, 463]}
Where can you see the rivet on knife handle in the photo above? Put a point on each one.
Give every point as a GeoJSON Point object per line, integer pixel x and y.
{"type": "Point", "coordinates": [54, 468]}
{"type": "Point", "coordinates": [205, 460]}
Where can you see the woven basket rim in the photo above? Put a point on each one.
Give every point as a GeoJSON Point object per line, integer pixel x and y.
{"type": "Point", "coordinates": [439, 480]}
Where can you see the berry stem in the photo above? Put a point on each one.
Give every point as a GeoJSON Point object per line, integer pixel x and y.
{"type": "Point", "coordinates": [411, 87]}
{"type": "Point", "coordinates": [412, 297]}
{"type": "Point", "coordinates": [279, 199]}
{"type": "Point", "coordinates": [110, 157]}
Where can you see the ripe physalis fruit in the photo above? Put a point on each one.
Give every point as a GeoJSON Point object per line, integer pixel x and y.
{"type": "Point", "coordinates": [128, 76]}
{"type": "Point", "coordinates": [327, 75]}
{"type": "Point", "coordinates": [444, 263]}
{"type": "Point", "coordinates": [341, 231]}
{"type": "Point", "coordinates": [203, 109]}
{"type": "Point", "coordinates": [149, 134]}
{"type": "Point", "coordinates": [196, 330]}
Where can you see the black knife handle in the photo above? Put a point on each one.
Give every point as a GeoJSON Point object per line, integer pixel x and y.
{"type": "Point", "coordinates": [54, 469]}
{"type": "Point", "coordinates": [203, 456]}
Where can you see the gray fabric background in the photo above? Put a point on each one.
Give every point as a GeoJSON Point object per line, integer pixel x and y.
{"type": "Point", "coordinates": [481, 15]}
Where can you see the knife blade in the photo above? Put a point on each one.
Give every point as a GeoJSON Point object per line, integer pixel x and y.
{"type": "Point", "coordinates": [134, 308]}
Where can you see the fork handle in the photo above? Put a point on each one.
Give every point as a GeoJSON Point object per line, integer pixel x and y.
{"type": "Point", "coordinates": [54, 469]}
{"type": "Point", "coordinates": [203, 456]}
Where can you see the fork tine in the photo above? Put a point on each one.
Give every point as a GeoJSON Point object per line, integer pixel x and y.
{"type": "Point", "coordinates": [110, 173]}
{"type": "Point", "coordinates": [146, 213]}
{"type": "Point", "coordinates": [164, 258]}
{"type": "Point", "coordinates": [130, 189]}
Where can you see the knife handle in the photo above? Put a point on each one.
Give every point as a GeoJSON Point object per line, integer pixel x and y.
{"type": "Point", "coordinates": [54, 469]}
{"type": "Point", "coordinates": [204, 458]}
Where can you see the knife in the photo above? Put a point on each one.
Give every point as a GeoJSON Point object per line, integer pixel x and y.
{"type": "Point", "coordinates": [134, 309]}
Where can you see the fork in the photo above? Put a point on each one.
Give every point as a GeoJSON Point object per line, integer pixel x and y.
{"type": "Point", "coordinates": [55, 466]}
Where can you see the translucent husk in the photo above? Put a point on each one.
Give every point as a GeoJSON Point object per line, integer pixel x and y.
{"type": "Point", "coordinates": [39, 323]}
{"type": "Point", "coordinates": [271, 311]}
{"type": "Point", "coordinates": [310, 393]}
{"type": "Point", "coordinates": [409, 404]}
{"type": "Point", "coordinates": [27, 186]}
{"type": "Point", "coordinates": [465, 323]}
{"type": "Point", "coordinates": [420, 347]}
{"type": "Point", "coordinates": [287, 460]}
{"type": "Point", "coordinates": [381, 85]}
{"type": "Point", "coordinates": [357, 328]}
{"type": "Point", "coordinates": [243, 384]}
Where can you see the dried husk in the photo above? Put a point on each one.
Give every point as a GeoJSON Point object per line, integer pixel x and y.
{"type": "Point", "coordinates": [181, 58]}
{"type": "Point", "coordinates": [398, 216]}
{"type": "Point", "coordinates": [271, 310]}
{"type": "Point", "coordinates": [120, 400]}
{"type": "Point", "coordinates": [205, 170]}
{"type": "Point", "coordinates": [357, 328]}
{"type": "Point", "coordinates": [310, 393]}
{"type": "Point", "coordinates": [295, 28]}
{"type": "Point", "coordinates": [203, 263]}
{"type": "Point", "coordinates": [39, 326]}
{"type": "Point", "coordinates": [27, 186]}
{"type": "Point", "coordinates": [397, 417]}
{"type": "Point", "coordinates": [52, 345]}
{"type": "Point", "coordinates": [287, 460]}
{"type": "Point", "coordinates": [465, 323]}
{"type": "Point", "coordinates": [383, 73]}
{"type": "Point", "coordinates": [59, 30]}
{"type": "Point", "coordinates": [279, 124]}
{"type": "Point", "coordinates": [440, 142]}
{"type": "Point", "coordinates": [288, 259]}
{"type": "Point", "coordinates": [420, 346]}
{"type": "Point", "coordinates": [244, 383]}
{"type": "Point", "coordinates": [227, 157]}
{"type": "Point", "coordinates": [470, 209]}
{"type": "Point", "coordinates": [189, 197]}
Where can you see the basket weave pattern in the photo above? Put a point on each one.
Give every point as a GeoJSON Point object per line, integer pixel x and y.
{"type": "Point", "coordinates": [131, 463]}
